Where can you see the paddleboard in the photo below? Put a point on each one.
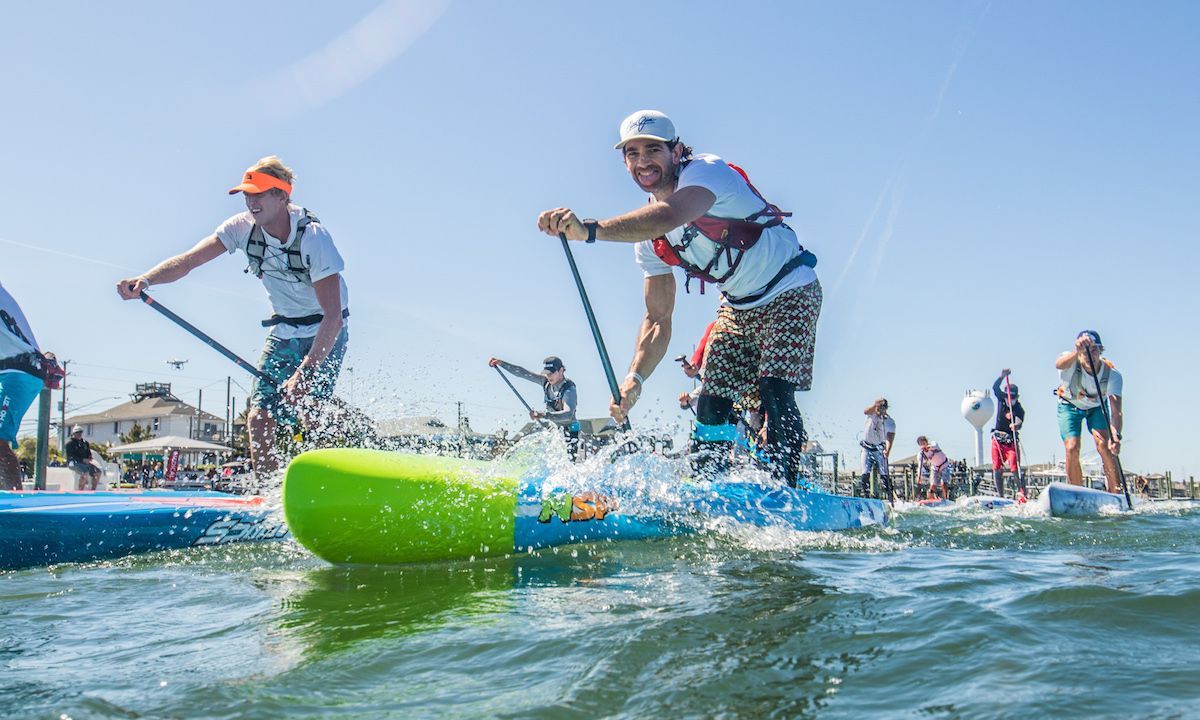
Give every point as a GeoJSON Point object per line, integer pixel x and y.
{"type": "Point", "coordinates": [42, 528]}
{"type": "Point", "coordinates": [986, 502]}
{"type": "Point", "coordinates": [353, 506]}
{"type": "Point", "coordinates": [1064, 500]}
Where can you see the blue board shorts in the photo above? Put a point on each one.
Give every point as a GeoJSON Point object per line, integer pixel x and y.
{"type": "Point", "coordinates": [280, 358]}
{"type": "Point", "coordinates": [18, 390]}
{"type": "Point", "coordinates": [1070, 420]}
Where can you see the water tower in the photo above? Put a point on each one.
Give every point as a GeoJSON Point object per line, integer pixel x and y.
{"type": "Point", "coordinates": [977, 408]}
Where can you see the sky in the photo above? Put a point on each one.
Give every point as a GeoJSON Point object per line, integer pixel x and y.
{"type": "Point", "coordinates": [980, 182]}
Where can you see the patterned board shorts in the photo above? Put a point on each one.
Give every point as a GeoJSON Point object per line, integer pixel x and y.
{"type": "Point", "coordinates": [774, 340]}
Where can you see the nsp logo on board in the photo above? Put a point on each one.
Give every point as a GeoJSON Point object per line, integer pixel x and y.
{"type": "Point", "coordinates": [235, 529]}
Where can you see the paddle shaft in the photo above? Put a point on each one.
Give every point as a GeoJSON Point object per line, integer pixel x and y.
{"type": "Point", "coordinates": [511, 387]}
{"type": "Point", "coordinates": [591, 318]}
{"type": "Point", "coordinates": [1108, 422]}
{"type": "Point", "coordinates": [1012, 426]}
{"type": "Point", "coordinates": [200, 335]}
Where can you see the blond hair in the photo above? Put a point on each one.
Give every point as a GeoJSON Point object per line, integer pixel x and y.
{"type": "Point", "coordinates": [273, 166]}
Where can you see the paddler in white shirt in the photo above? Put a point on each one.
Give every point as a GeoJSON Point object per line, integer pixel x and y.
{"type": "Point", "coordinates": [878, 435]}
{"type": "Point", "coordinates": [293, 254]}
{"type": "Point", "coordinates": [706, 218]}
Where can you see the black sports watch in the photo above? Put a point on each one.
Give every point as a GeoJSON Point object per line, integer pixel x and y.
{"type": "Point", "coordinates": [591, 226]}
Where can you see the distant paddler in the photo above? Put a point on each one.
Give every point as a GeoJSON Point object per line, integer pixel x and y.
{"type": "Point", "coordinates": [293, 254]}
{"type": "Point", "coordinates": [933, 459]}
{"type": "Point", "coordinates": [1010, 416]}
{"type": "Point", "coordinates": [878, 435]}
{"type": "Point", "coordinates": [708, 220]}
{"type": "Point", "coordinates": [1088, 380]}
{"type": "Point", "coordinates": [560, 394]}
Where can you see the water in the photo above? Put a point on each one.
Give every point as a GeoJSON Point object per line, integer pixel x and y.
{"type": "Point", "coordinates": [945, 615]}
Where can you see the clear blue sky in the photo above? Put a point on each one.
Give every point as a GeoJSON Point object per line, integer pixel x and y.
{"type": "Point", "coordinates": [980, 181]}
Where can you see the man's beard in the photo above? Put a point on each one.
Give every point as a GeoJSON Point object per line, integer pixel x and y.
{"type": "Point", "coordinates": [666, 181]}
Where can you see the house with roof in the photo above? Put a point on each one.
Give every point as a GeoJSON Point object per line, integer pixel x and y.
{"type": "Point", "coordinates": [152, 406]}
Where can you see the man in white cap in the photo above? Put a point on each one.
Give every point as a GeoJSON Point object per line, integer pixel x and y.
{"type": "Point", "coordinates": [293, 254]}
{"type": "Point", "coordinates": [707, 219]}
{"type": "Point", "coordinates": [79, 459]}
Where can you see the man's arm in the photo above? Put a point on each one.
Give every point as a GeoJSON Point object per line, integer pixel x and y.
{"type": "Point", "coordinates": [329, 295]}
{"type": "Point", "coordinates": [644, 223]}
{"type": "Point", "coordinates": [172, 269]}
{"type": "Point", "coordinates": [570, 399]}
{"type": "Point", "coordinates": [654, 336]}
{"type": "Point", "coordinates": [887, 445]}
{"type": "Point", "coordinates": [1065, 360]}
{"type": "Point", "coordinates": [520, 372]}
{"type": "Point", "coordinates": [1117, 418]}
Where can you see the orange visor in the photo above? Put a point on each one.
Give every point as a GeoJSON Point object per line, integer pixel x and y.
{"type": "Point", "coordinates": [256, 182]}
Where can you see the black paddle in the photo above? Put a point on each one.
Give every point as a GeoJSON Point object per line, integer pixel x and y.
{"type": "Point", "coordinates": [1108, 423]}
{"type": "Point", "coordinates": [591, 318]}
{"type": "Point", "coordinates": [207, 340]}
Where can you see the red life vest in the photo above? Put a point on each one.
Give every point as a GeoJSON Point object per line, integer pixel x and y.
{"type": "Point", "coordinates": [734, 236]}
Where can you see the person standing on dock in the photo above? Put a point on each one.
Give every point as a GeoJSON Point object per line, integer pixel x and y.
{"type": "Point", "coordinates": [24, 371]}
{"type": "Point", "coordinates": [706, 218]}
{"type": "Point", "coordinates": [1079, 399]}
{"type": "Point", "coordinates": [878, 436]}
{"type": "Point", "coordinates": [293, 254]}
{"type": "Point", "coordinates": [560, 394]}
{"type": "Point", "coordinates": [1009, 419]}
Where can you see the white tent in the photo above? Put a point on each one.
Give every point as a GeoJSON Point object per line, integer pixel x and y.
{"type": "Point", "coordinates": [170, 442]}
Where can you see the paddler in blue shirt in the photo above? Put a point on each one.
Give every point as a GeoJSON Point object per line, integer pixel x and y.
{"type": "Point", "coordinates": [560, 394]}
{"type": "Point", "coordinates": [24, 371]}
{"type": "Point", "coordinates": [706, 218]}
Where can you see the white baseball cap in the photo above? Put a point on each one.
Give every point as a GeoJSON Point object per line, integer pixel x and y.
{"type": "Point", "coordinates": [647, 124]}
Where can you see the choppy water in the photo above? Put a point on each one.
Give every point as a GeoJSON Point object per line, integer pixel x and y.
{"type": "Point", "coordinates": [946, 614]}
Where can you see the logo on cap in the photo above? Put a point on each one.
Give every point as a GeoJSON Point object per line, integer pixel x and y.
{"type": "Point", "coordinates": [639, 124]}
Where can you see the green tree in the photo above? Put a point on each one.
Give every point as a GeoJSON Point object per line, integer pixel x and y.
{"type": "Point", "coordinates": [137, 433]}
{"type": "Point", "coordinates": [27, 454]}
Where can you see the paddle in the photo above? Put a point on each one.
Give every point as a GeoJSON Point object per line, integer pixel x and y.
{"type": "Point", "coordinates": [517, 393]}
{"type": "Point", "coordinates": [207, 340]}
{"type": "Point", "coordinates": [1016, 438]}
{"type": "Point", "coordinates": [1108, 424]}
{"type": "Point", "coordinates": [591, 317]}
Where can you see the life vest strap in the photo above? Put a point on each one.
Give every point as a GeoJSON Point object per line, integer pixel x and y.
{"type": "Point", "coordinates": [305, 321]}
{"type": "Point", "coordinates": [805, 258]}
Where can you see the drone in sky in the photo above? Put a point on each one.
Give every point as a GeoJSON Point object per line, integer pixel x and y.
{"type": "Point", "coordinates": [178, 364]}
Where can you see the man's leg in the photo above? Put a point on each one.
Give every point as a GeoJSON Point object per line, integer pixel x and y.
{"type": "Point", "coordinates": [1074, 471]}
{"type": "Point", "coordinates": [713, 436]}
{"type": "Point", "coordinates": [1070, 425]}
{"type": "Point", "coordinates": [1108, 460]}
{"type": "Point", "coordinates": [10, 468]}
{"type": "Point", "coordinates": [262, 442]}
{"type": "Point", "coordinates": [864, 482]}
{"type": "Point", "coordinates": [785, 428]}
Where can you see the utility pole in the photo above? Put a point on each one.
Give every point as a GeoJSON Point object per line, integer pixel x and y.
{"type": "Point", "coordinates": [62, 413]}
{"type": "Point", "coordinates": [199, 413]}
{"type": "Point", "coordinates": [461, 442]}
{"type": "Point", "coordinates": [228, 434]}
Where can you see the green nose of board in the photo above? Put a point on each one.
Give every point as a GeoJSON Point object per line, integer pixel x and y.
{"type": "Point", "coordinates": [371, 507]}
